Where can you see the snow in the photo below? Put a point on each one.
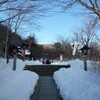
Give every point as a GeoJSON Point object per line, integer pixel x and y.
{"type": "Point", "coordinates": [16, 85]}
{"type": "Point", "coordinates": [73, 83]}
{"type": "Point", "coordinates": [19, 65]}
{"type": "Point", "coordinates": [76, 84]}
{"type": "Point", "coordinates": [27, 52]}
{"type": "Point", "coordinates": [59, 63]}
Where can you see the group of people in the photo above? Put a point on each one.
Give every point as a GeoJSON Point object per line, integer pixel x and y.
{"type": "Point", "coordinates": [46, 61]}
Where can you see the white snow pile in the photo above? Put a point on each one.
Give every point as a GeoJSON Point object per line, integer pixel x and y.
{"type": "Point", "coordinates": [16, 85]}
{"type": "Point", "coordinates": [76, 84]}
{"type": "Point", "coordinates": [60, 63]}
{"type": "Point", "coordinates": [19, 64]}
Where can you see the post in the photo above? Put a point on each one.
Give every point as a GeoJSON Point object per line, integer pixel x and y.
{"type": "Point", "coordinates": [6, 46]}
{"type": "Point", "coordinates": [24, 54]}
{"type": "Point", "coordinates": [7, 54]}
{"type": "Point", "coordinates": [85, 63]}
{"type": "Point", "coordinates": [14, 62]}
{"type": "Point", "coordinates": [85, 53]}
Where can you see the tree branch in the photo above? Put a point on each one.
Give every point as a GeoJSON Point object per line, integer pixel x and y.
{"type": "Point", "coordinates": [96, 4]}
{"type": "Point", "coordinates": [89, 7]}
{"type": "Point", "coordinates": [91, 1]}
{"type": "Point", "coordinates": [70, 4]}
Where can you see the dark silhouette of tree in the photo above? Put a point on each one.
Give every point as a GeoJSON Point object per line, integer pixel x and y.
{"type": "Point", "coordinates": [13, 38]}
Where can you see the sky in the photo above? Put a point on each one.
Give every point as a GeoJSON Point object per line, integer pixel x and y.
{"type": "Point", "coordinates": [59, 24]}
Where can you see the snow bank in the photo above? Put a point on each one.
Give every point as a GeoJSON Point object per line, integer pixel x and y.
{"type": "Point", "coordinates": [16, 85]}
{"type": "Point", "coordinates": [76, 84]}
{"type": "Point", "coordinates": [20, 64]}
{"type": "Point", "coordinates": [59, 63]}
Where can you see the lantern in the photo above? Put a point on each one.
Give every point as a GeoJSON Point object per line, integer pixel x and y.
{"type": "Point", "coordinates": [85, 49]}
{"type": "Point", "coordinates": [85, 52]}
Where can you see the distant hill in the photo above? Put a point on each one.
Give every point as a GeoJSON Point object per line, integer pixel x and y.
{"type": "Point", "coordinates": [98, 47]}
{"type": "Point", "coordinates": [47, 46]}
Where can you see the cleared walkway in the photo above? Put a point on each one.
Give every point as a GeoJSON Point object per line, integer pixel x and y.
{"type": "Point", "coordinates": [46, 89]}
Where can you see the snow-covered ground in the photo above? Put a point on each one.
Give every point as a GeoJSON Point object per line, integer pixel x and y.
{"type": "Point", "coordinates": [74, 83]}
{"type": "Point", "coordinates": [19, 84]}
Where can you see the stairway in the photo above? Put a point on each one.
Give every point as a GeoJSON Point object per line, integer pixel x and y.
{"type": "Point", "coordinates": [45, 70]}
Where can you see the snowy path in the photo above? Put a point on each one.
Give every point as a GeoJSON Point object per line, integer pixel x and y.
{"type": "Point", "coordinates": [46, 89]}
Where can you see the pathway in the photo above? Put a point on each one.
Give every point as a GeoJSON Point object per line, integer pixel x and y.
{"type": "Point", "coordinates": [46, 89]}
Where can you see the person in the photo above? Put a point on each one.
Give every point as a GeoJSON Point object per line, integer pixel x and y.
{"type": "Point", "coordinates": [44, 61]}
{"type": "Point", "coordinates": [61, 57]}
{"type": "Point", "coordinates": [48, 61]}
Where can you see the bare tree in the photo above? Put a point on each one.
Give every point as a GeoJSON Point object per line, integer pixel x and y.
{"type": "Point", "coordinates": [91, 5]}
{"type": "Point", "coordinates": [2, 2]}
{"type": "Point", "coordinates": [35, 8]}
{"type": "Point", "coordinates": [3, 8]}
{"type": "Point", "coordinates": [21, 12]}
{"type": "Point", "coordinates": [15, 22]}
{"type": "Point", "coordinates": [87, 32]}
{"type": "Point", "coordinates": [65, 46]}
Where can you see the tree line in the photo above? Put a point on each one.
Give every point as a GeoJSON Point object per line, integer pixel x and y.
{"type": "Point", "coordinates": [15, 39]}
{"type": "Point", "coordinates": [63, 46]}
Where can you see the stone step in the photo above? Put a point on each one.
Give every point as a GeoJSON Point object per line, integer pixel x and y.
{"type": "Point", "coordinates": [45, 70]}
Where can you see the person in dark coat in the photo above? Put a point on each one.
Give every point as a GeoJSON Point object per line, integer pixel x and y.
{"type": "Point", "coordinates": [48, 61]}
